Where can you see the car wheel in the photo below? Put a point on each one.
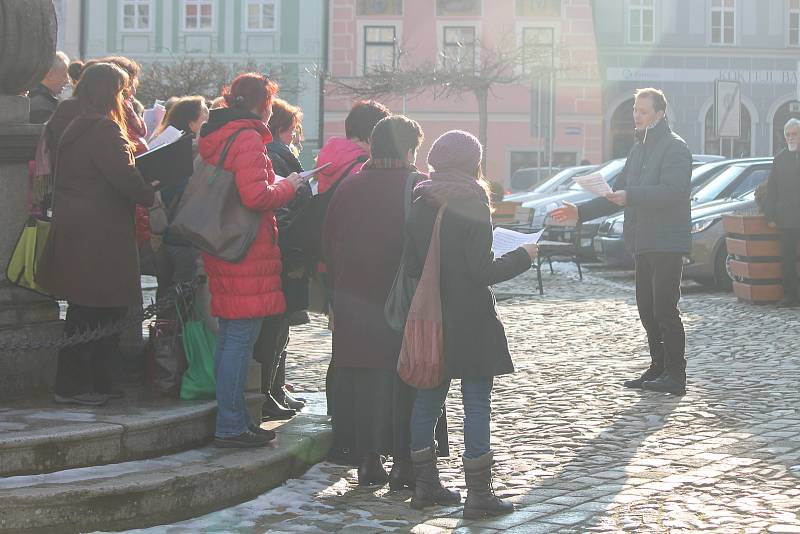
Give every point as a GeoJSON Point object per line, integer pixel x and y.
{"type": "Point", "coordinates": [721, 273]}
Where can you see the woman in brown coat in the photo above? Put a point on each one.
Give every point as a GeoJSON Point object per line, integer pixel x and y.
{"type": "Point", "coordinates": [90, 259]}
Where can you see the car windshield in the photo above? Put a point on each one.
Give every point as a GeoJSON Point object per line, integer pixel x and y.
{"type": "Point", "coordinates": [607, 171]}
{"type": "Point", "coordinates": [556, 180]}
{"type": "Point", "coordinates": [713, 189]}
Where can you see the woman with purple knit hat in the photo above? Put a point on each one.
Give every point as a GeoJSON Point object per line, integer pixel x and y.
{"type": "Point", "coordinates": [475, 345]}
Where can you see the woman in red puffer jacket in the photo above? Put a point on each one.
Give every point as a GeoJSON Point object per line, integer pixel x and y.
{"type": "Point", "coordinates": [243, 293]}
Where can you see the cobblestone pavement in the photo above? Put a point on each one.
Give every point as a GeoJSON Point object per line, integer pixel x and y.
{"type": "Point", "coordinates": [577, 452]}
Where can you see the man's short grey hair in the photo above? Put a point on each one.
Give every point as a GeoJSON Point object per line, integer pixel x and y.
{"type": "Point", "coordinates": [791, 123]}
{"type": "Point", "coordinates": [60, 59]}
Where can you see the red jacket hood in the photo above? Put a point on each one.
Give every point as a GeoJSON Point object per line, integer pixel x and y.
{"type": "Point", "coordinates": [210, 145]}
{"type": "Point", "coordinates": [342, 153]}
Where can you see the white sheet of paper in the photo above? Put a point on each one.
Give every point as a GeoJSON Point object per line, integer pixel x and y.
{"type": "Point", "coordinates": [315, 170]}
{"type": "Point", "coordinates": [593, 183]}
{"type": "Point", "coordinates": [169, 135]}
{"type": "Point", "coordinates": [153, 117]}
{"type": "Point", "coordinates": [505, 240]}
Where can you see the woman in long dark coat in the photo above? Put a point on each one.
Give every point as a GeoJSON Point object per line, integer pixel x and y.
{"type": "Point", "coordinates": [363, 241]}
{"type": "Point", "coordinates": [475, 346]}
{"type": "Point", "coordinates": [91, 258]}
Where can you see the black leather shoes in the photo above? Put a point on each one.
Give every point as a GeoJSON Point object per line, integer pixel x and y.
{"type": "Point", "coordinates": [648, 375]}
{"type": "Point", "coordinates": [265, 432]}
{"type": "Point", "coordinates": [665, 384]}
{"type": "Point", "coordinates": [246, 440]}
{"type": "Point", "coordinates": [371, 471]}
{"type": "Point", "coordinates": [402, 474]}
{"type": "Point", "coordinates": [272, 410]}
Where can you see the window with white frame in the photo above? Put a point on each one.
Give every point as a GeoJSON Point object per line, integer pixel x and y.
{"type": "Point", "coordinates": [723, 22]}
{"type": "Point", "coordinates": [136, 15]}
{"type": "Point", "coordinates": [641, 14]}
{"type": "Point", "coordinates": [198, 15]}
{"type": "Point", "coordinates": [261, 15]}
{"type": "Point", "coordinates": [794, 22]}
{"type": "Point", "coordinates": [380, 48]}
{"type": "Point", "coordinates": [537, 49]}
{"type": "Point", "coordinates": [458, 48]}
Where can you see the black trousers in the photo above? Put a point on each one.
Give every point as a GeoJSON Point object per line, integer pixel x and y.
{"type": "Point", "coordinates": [658, 290]}
{"type": "Point", "coordinates": [270, 352]}
{"type": "Point", "coordinates": [87, 367]}
{"type": "Point", "coordinates": [789, 239]}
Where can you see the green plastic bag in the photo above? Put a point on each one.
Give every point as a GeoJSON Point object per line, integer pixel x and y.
{"type": "Point", "coordinates": [199, 345]}
{"type": "Point", "coordinates": [21, 268]}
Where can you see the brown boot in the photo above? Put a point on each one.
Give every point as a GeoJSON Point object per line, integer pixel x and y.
{"type": "Point", "coordinates": [481, 501]}
{"type": "Point", "coordinates": [428, 489]}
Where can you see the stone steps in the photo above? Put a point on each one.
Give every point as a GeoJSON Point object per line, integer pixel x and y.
{"type": "Point", "coordinates": [161, 490]}
{"type": "Point", "coordinates": [41, 437]}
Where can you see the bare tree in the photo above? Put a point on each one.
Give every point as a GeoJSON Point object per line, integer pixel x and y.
{"type": "Point", "coordinates": [205, 76]}
{"type": "Point", "coordinates": [465, 71]}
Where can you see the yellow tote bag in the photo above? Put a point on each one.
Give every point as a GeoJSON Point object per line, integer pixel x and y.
{"type": "Point", "coordinates": [22, 265]}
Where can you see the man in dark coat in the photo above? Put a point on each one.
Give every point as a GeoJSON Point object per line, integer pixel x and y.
{"type": "Point", "coordinates": [44, 98]}
{"type": "Point", "coordinates": [655, 190]}
{"type": "Point", "coordinates": [782, 207]}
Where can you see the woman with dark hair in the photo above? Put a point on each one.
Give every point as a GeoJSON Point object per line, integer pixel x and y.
{"type": "Point", "coordinates": [363, 242]}
{"type": "Point", "coordinates": [187, 114]}
{"type": "Point", "coordinates": [475, 346]}
{"type": "Point", "coordinates": [244, 293]}
{"type": "Point", "coordinates": [90, 258]}
{"type": "Point", "coordinates": [270, 349]}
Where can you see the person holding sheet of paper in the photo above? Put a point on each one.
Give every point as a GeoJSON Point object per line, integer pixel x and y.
{"type": "Point", "coordinates": [475, 345]}
{"type": "Point", "coordinates": [655, 190]}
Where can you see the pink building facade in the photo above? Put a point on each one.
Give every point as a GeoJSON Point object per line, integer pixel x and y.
{"type": "Point", "coordinates": [368, 33]}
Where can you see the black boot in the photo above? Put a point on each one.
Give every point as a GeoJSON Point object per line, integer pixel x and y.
{"type": "Point", "coordinates": [402, 474]}
{"type": "Point", "coordinates": [371, 471]}
{"type": "Point", "coordinates": [655, 369]}
{"type": "Point", "coordinates": [428, 489]}
{"type": "Point", "coordinates": [481, 501]}
{"type": "Point", "coordinates": [272, 410]}
{"type": "Point", "coordinates": [666, 383]}
{"type": "Point", "coordinates": [652, 373]}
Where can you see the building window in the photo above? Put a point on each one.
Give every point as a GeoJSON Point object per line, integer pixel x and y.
{"type": "Point", "coordinates": [723, 22]}
{"type": "Point", "coordinates": [537, 49]}
{"type": "Point", "coordinates": [379, 7]}
{"type": "Point", "coordinates": [794, 22]}
{"type": "Point", "coordinates": [198, 15]}
{"type": "Point", "coordinates": [380, 44]}
{"type": "Point", "coordinates": [458, 50]}
{"type": "Point", "coordinates": [136, 15]}
{"type": "Point", "coordinates": [538, 8]}
{"type": "Point", "coordinates": [458, 8]}
{"type": "Point", "coordinates": [640, 21]}
{"type": "Point", "coordinates": [261, 15]}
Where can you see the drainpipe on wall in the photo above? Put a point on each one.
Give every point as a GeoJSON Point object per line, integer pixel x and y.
{"type": "Point", "coordinates": [84, 12]}
{"type": "Point", "coordinates": [326, 16]}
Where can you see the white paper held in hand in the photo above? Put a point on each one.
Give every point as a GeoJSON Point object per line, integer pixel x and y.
{"type": "Point", "coordinates": [169, 135]}
{"type": "Point", "coordinates": [153, 117]}
{"type": "Point", "coordinates": [505, 240]}
{"type": "Point", "coordinates": [594, 183]}
{"type": "Point", "coordinates": [306, 174]}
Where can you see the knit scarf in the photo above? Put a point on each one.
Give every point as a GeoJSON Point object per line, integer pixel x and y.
{"type": "Point", "coordinates": [388, 163]}
{"type": "Point", "coordinates": [448, 185]}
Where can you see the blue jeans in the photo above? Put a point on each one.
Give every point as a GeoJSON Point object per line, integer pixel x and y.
{"type": "Point", "coordinates": [477, 400]}
{"type": "Point", "coordinates": [234, 349]}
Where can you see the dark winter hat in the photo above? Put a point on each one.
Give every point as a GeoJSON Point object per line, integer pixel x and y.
{"type": "Point", "coordinates": [458, 150]}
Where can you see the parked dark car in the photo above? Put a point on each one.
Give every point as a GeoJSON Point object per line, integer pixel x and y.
{"type": "Point", "coordinates": [702, 173]}
{"type": "Point", "coordinates": [561, 182]}
{"type": "Point", "coordinates": [529, 177]}
{"type": "Point", "coordinates": [735, 182]}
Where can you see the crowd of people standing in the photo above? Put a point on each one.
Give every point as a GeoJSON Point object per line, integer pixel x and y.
{"type": "Point", "coordinates": [375, 203]}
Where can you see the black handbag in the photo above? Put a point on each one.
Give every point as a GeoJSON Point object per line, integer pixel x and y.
{"type": "Point", "coordinates": [405, 285]}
